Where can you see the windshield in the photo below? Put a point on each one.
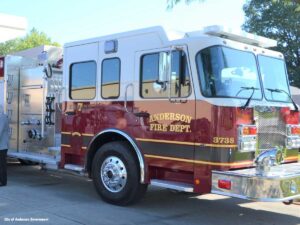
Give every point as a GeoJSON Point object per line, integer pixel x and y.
{"type": "Point", "coordinates": [273, 74]}
{"type": "Point", "coordinates": [226, 72]}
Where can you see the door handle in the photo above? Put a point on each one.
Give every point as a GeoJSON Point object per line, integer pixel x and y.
{"type": "Point", "coordinates": [178, 100]}
{"type": "Point", "coordinates": [70, 113]}
{"type": "Point", "coordinates": [142, 114]}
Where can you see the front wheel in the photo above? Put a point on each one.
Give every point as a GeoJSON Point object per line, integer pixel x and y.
{"type": "Point", "coordinates": [115, 173]}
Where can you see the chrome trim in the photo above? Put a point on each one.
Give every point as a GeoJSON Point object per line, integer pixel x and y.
{"type": "Point", "coordinates": [255, 199]}
{"type": "Point", "coordinates": [126, 97]}
{"type": "Point", "coordinates": [281, 183]}
{"type": "Point", "coordinates": [173, 185]}
{"type": "Point", "coordinates": [113, 174]}
{"type": "Point", "coordinates": [131, 141]}
{"type": "Point", "coordinates": [74, 167]}
{"type": "Point", "coordinates": [266, 159]}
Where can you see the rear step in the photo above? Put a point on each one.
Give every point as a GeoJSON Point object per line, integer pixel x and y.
{"type": "Point", "coordinates": [173, 185]}
{"type": "Point", "coordinates": [74, 167]}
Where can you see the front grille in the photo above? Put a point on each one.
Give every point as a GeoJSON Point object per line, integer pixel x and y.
{"type": "Point", "coordinates": [271, 129]}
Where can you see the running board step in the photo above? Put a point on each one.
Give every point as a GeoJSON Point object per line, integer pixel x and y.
{"type": "Point", "coordinates": [74, 167]}
{"type": "Point", "coordinates": [173, 185]}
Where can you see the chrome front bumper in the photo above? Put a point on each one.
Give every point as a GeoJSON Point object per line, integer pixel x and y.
{"type": "Point", "coordinates": [282, 183]}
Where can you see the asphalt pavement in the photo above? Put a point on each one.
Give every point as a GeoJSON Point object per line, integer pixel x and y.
{"type": "Point", "coordinates": [41, 197]}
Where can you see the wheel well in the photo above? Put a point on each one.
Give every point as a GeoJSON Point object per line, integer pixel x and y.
{"type": "Point", "coordinates": [106, 138]}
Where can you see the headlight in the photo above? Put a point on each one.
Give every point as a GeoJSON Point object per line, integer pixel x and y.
{"type": "Point", "coordinates": [247, 138]}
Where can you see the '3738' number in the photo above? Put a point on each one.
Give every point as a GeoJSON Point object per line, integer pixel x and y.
{"type": "Point", "coordinates": [223, 140]}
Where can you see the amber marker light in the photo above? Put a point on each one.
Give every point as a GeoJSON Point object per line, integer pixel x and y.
{"type": "Point", "coordinates": [197, 181]}
{"type": "Point", "coordinates": [295, 130]}
{"type": "Point", "coordinates": [249, 130]}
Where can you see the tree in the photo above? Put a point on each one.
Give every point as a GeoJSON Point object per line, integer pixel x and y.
{"type": "Point", "coordinates": [172, 3]}
{"type": "Point", "coordinates": [33, 39]}
{"type": "Point", "coordinates": [278, 20]}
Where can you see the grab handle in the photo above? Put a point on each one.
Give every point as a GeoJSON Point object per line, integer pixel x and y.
{"type": "Point", "coordinates": [126, 97]}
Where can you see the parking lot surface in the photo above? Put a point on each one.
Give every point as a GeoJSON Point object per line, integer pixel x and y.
{"type": "Point", "coordinates": [38, 197]}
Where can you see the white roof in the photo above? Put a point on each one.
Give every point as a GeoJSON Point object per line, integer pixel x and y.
{"type": "Point", "coordinates": [235, 35]}
{"type": "Point", "coordinates": [11, 27]}
{"type": "Point", "coordinates": [167, 35]}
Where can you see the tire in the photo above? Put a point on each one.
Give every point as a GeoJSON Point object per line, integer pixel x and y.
{"type": "Point", "coordinates": [118, 182]}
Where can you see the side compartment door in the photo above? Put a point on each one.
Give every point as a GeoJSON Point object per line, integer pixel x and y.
{"type": "Point", "coordinates": [165, 109]}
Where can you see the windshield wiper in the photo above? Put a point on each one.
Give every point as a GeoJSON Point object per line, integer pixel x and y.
{"type": "Point", "coordinates": [249, 99]}
{"type": "Point", "coordinates": [283, 91]}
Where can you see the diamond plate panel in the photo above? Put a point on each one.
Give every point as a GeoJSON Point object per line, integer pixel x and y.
{"type": "Point", "coordinates": [271, 129]}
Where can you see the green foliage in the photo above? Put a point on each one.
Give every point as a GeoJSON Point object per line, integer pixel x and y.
{"type": "Point", "coordinates": [172, 3]}
{"type": "Point", "coordinates": [33, 39]}
{"type": "Point", "coordinates": [278, 20]}
{"type": "Point", "coordinates": [290, 2]}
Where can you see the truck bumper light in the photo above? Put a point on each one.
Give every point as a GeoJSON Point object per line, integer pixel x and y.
{"type": "Point", "coordinates": [224, 184]}
{"type": "Point", "coordinates": [247, 138]}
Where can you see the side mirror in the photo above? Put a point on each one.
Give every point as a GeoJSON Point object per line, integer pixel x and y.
{"type": "Point", "coordinates": [163, 74]}
{"type": "Point", "coordinates": [164, 65]}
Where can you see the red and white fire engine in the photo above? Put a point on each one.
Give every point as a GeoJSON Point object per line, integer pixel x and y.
{"type": "Point", "coordinates": [207, 112]}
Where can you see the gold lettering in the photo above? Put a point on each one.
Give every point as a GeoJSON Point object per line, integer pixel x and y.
{"type": "Point", "coordinates": [177, 116]}
{"type": "Point", "coordinates": [223, 140]}
{"type": "Point", "coordinates": [79, 107]}
{"type": "Point", "coordinates": [167, 116]}
{"type": "Point", "coordinates": [172, 128]}
{"type": "Point", "coordinates": [182, 118]}
{"type": "Point", "coordinates": [161, 116]}
{"type": "Point", "coordinates": [165, 127]}
{"type": "Point", "coordinates": [152, 125]}
{"type": "Point", "coordinates": [187, 128]}
{"type": "Point", "coordinates": [151, 119]}
{"type": "Point", "coordinates": [172, 116]}
{"type": "Point", "coordinates": [188, 119]}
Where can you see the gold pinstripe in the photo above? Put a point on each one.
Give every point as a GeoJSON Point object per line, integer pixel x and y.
{"type": "Point", "coordinates": [63, 145]}
{"type": "Point", "coordinates": [186, 143]}
{"type": "Point", "coordinates": [199, 161]}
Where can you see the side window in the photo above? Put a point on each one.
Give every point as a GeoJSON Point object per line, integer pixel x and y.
{"type": "Point", "coordinates": [83, 80]}
{"type": "Point", "coordinates": [180, 79]}
{"type": "Point", "coordinates": [149, 77]}
{"type": "Point", "coordinates": [110, 86]}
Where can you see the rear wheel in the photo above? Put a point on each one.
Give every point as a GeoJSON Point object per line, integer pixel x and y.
{"type": "Point", "coordinates": [115, 173]}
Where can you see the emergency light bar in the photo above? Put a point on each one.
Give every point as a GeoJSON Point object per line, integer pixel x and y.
{"type": "Point", "coordinates": [241, 36]}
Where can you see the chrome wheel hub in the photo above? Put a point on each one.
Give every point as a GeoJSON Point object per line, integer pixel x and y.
{"type": "Point", "coordinates": [113, 174]}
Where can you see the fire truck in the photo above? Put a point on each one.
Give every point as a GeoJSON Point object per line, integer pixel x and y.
{"type": "Point", "coordinates": [207, 111]}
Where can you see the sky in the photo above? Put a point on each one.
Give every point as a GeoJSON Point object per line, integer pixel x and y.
{"type": "Point", "coordinates": [70, 20]}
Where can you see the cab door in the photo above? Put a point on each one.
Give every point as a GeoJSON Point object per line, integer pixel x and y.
{"type": "Point", "coordinates": [165, 108]}
{"type": "Point", "coordinates": [80, 78]}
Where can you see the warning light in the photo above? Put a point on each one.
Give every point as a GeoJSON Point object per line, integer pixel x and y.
{"type": "Point", "coordinates": [224, 184]}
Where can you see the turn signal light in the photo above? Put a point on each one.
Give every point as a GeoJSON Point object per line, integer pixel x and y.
{"type": "Point", "coordinates": [295, 130]}
{"type": "Point", "coordinates": [224, 184]}
{"type": "Point", "coordinates": [249, 130]}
